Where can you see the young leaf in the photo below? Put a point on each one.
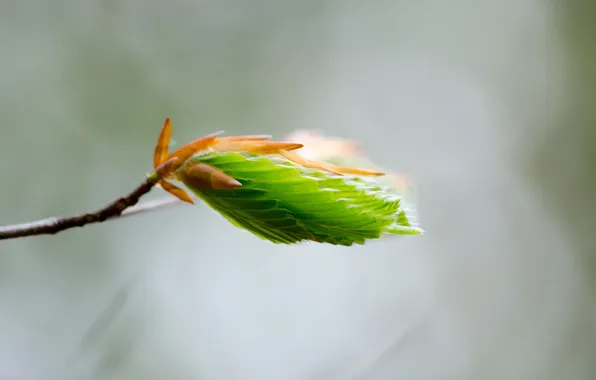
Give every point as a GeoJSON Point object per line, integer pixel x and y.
{"type": "Point", "coordinates": [268, 189]}
{"type": "Point", "coordinates": [283, 202]}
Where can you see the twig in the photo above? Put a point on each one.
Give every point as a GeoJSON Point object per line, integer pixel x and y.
{"type": "Point", "coordinates": [118, 208]}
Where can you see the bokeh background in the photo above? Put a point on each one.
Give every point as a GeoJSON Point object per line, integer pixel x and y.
{"type": "Point", "coordinates": [488, 105]}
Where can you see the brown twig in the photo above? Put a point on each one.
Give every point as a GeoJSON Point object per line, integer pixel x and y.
{"type": "Point", "coordinates": [122, 206]}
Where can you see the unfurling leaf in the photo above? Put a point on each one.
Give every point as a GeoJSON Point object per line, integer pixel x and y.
{"type": "Point", "coordinates": [261, 187]}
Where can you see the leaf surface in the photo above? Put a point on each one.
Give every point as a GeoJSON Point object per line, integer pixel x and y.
{"type": "Point", "coordinates": [286, 203]}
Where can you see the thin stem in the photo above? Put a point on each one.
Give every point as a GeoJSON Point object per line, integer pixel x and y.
{"type": "Point", "coordinates": [122, 206]}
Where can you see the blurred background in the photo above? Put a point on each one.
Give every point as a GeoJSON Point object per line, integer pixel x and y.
{"type": "Point", "coordinates": [487, 105]}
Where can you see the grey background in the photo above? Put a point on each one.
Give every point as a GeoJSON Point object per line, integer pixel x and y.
{"type": "Point", "coordinates": [488, 105]}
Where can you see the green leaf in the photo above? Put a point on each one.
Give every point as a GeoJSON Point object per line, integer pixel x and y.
{"type": "Point", "coordinates": [286, 203]}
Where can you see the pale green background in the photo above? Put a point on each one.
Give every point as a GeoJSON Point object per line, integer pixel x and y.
{"type": "Point", "coordinates": [490, 105]}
